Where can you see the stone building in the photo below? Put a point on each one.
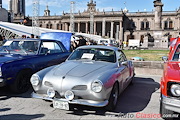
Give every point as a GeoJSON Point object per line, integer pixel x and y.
{"type": "Point", "coordinates": [3, 13]}
{"type": "Point", "coordinates": [152, 28]}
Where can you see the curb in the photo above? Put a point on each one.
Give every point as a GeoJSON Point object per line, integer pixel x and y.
{"type": "Point", "coordinates": [148, 67]}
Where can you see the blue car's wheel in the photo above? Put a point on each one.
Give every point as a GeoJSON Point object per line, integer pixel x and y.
{"type": "Point", "coordinates": [22, 82]}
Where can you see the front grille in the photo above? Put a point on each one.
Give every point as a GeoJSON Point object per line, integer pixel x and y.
{"type": "Point", "coordinates": [48, 84]}
{"type": "Point", "coordinates": [80, 87]}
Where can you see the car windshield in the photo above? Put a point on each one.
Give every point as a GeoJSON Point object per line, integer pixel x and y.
{"type": "Point", "coordinates": [20, 47]}
{"type": "Point", "coordinates": [96, 54]}
{"type": "Point", "coordinates": [176, 56]}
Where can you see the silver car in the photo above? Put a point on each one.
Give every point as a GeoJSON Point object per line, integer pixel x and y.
{"type": "Point", "coordinates": [92, 76]}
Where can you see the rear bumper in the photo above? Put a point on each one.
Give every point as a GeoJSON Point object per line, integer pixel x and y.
{"type": "Point", "coordinates": [77, 101]}
{"type": "Point", "coordinates": [171, 103]}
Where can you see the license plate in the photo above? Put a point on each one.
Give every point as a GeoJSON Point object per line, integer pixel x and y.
{"type": "Point", "coordinates": [61, 104]}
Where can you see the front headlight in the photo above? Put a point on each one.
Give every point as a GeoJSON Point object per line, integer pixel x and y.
{"type": "Point", "coordinates": [35, 80]}
{"type": "Point", "coordinates": [175, 89]}
{"type": "Point", "coordinates": [96, 86]}
{"type": "Point", "coordinates": [69, 95]}
{"type": "Point", "coordinates": [51, 93]}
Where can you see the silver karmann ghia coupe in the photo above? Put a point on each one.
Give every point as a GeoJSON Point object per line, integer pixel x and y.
{"type": "Point", "coordinates": [92, 76]}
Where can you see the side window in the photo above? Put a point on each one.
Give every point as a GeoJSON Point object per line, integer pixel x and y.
{"type": "Point", "coordinates": [50, 47]}
{"type": "Point", "coordinates": [176, 56]}
{"type": "Point", "coordinates": [121, 57]}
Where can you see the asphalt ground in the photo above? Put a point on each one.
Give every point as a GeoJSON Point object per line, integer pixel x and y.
{"type": "Point", "coordinates": [138, 101]}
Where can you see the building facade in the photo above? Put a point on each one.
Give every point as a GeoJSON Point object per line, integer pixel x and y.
{"type": "Point", "coordinates": [17, 7]}
{"type": "Point", "coordinates": [3, 13]}
{"type": "Point", "coordinates": [153, 28]}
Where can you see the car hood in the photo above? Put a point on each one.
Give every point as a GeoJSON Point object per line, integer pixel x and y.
{"type": "Point", "coordinates": [10, 57]}
{"type": "Point", "coordinates": [76, 68]}
{"type": "Point", "coordinates": [173, 70]}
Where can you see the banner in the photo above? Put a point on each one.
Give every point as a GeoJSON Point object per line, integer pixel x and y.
{"type": "Point", "coordinates": [64, 37]}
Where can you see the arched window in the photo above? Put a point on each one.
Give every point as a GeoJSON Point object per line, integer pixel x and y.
{"type": "Point", "coordinates": [50, 26]}
{"type": "Point", "coordinates": [145, 25]}
{"type": "Point", "coordinates": [58, 27]}
{"type": "Point", "coordinates": [47, 25]}
{"type": "Point", "coordinates": [168, 24]}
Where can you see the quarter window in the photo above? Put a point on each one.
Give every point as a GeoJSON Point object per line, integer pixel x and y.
{"type": "Point", "coordinates": [121, 57]}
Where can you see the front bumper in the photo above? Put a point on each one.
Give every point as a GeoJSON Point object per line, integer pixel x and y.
{"type": "Point", "coordinates": [171, 103]}
{"type": "Point", "coordinates": [77, 101]}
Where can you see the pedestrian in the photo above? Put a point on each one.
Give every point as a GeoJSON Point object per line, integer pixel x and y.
{"type": "Point", "coordinates": [81, 41]}
{"type": "Point", "coordinates": [23, 36]}
{"type": "Point", "coordinates": [4, 39]}
{"type": "Point", "coordinates": [32, 35]}
{"type": "Point", "coordinates": [37, 37]}
{"type": "Point", "coordinates": [1, 40]}
{"type": "Point", "coordinates": [73, 45]}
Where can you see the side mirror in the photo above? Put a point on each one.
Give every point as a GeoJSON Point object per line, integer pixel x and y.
{"type": "Point", "coordinates": [165, 58]}
{"type": "Point", "coordinates": [125, 63]}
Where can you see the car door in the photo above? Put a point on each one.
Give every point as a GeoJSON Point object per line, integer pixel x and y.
{"type": "Point", "coordinates": [123, 69]}
{"type": "Point", "coordinates": [51, 53]}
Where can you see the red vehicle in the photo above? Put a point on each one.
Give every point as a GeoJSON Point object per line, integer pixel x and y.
{"type": "Point", "coordinates": [170, 82]}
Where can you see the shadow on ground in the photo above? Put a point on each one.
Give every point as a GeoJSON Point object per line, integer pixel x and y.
{"type": "Point", "coordinates": [5, 93]}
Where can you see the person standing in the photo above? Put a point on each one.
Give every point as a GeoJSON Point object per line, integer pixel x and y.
{"type": "Point", "coordinates": [1, 40]}
{"type": "Point", "coordinates": [81, 41]}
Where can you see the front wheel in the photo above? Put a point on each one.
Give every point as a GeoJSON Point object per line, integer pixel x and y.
{"type": "Point", "coordinates": [113, 98]}
{"type": "Point", "coordinates": [22, 82]}
{"type": "Point", "coordinates": [165, 114]}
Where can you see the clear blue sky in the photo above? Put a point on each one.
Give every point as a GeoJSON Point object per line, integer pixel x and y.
{"type": "Point", "coordinates": [58, 6]}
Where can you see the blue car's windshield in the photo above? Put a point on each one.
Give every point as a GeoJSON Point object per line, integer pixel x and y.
{"type": "Point", "coordinates": [20, 47]}
{"type": "Point", "coordinates": [96, 54]}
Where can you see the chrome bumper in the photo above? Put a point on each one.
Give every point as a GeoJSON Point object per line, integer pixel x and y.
{"type": "Point", "coordinates": [171, 103]}
{"type": "Point", "coordinates": [78, 101]}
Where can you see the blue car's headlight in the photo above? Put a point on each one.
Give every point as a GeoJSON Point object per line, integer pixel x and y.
{"type": "Point", "coordinates": [35, 80]}
{"type": "Point", "coordinates": [96, 86]}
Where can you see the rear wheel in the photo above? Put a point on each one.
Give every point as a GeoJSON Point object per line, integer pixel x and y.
{"type": "Point", "coordinates": [113, 98]}
{"type": "Point", "coordinates": [22, 82]}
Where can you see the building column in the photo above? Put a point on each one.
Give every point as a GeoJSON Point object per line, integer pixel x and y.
{"type": "Point", "coordinates": [95, 28]}
{"type": "Point", "coordinates": [66, 26]}
{"type": "Point", "coordinates": [112, 29]}
{"type": "Point", "coordinates": [63, 26]}
{"type": "Point", "coordinates": [121, 32]}
{"type": "Point", "coordinates": [104, 27]}
{"type": "Point", "coordinates": [163, 25]}
{"type": "Point", "coordinates": [179, 23]}
{"type": "Point", "coordinates": [87, 27]}
{"type": "Point", "coordinates": [79, 24]}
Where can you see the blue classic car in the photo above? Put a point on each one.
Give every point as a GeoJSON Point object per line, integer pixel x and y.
{"type": "Point", "coordinates": [20, 58]}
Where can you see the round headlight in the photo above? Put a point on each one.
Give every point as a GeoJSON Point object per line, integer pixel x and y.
{"type": "Point", "coordinates": [96, 86]}
{"type": "Point", "coordinates": [35, 80]}
{"type": "Point", "coordinates": [175, 90]}
{"type": "Point", "coordinates": [69, 95]}
{"type": "Point", "coordinates": [51, 93]}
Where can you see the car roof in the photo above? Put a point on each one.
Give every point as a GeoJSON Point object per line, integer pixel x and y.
{"type": "Point", "coordinates": [98, 46]}
{"type": "Point", "coordinates": [32, 39]}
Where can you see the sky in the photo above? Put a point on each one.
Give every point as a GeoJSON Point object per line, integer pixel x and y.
{"type": "Point", "coordinates": [58, 6]}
